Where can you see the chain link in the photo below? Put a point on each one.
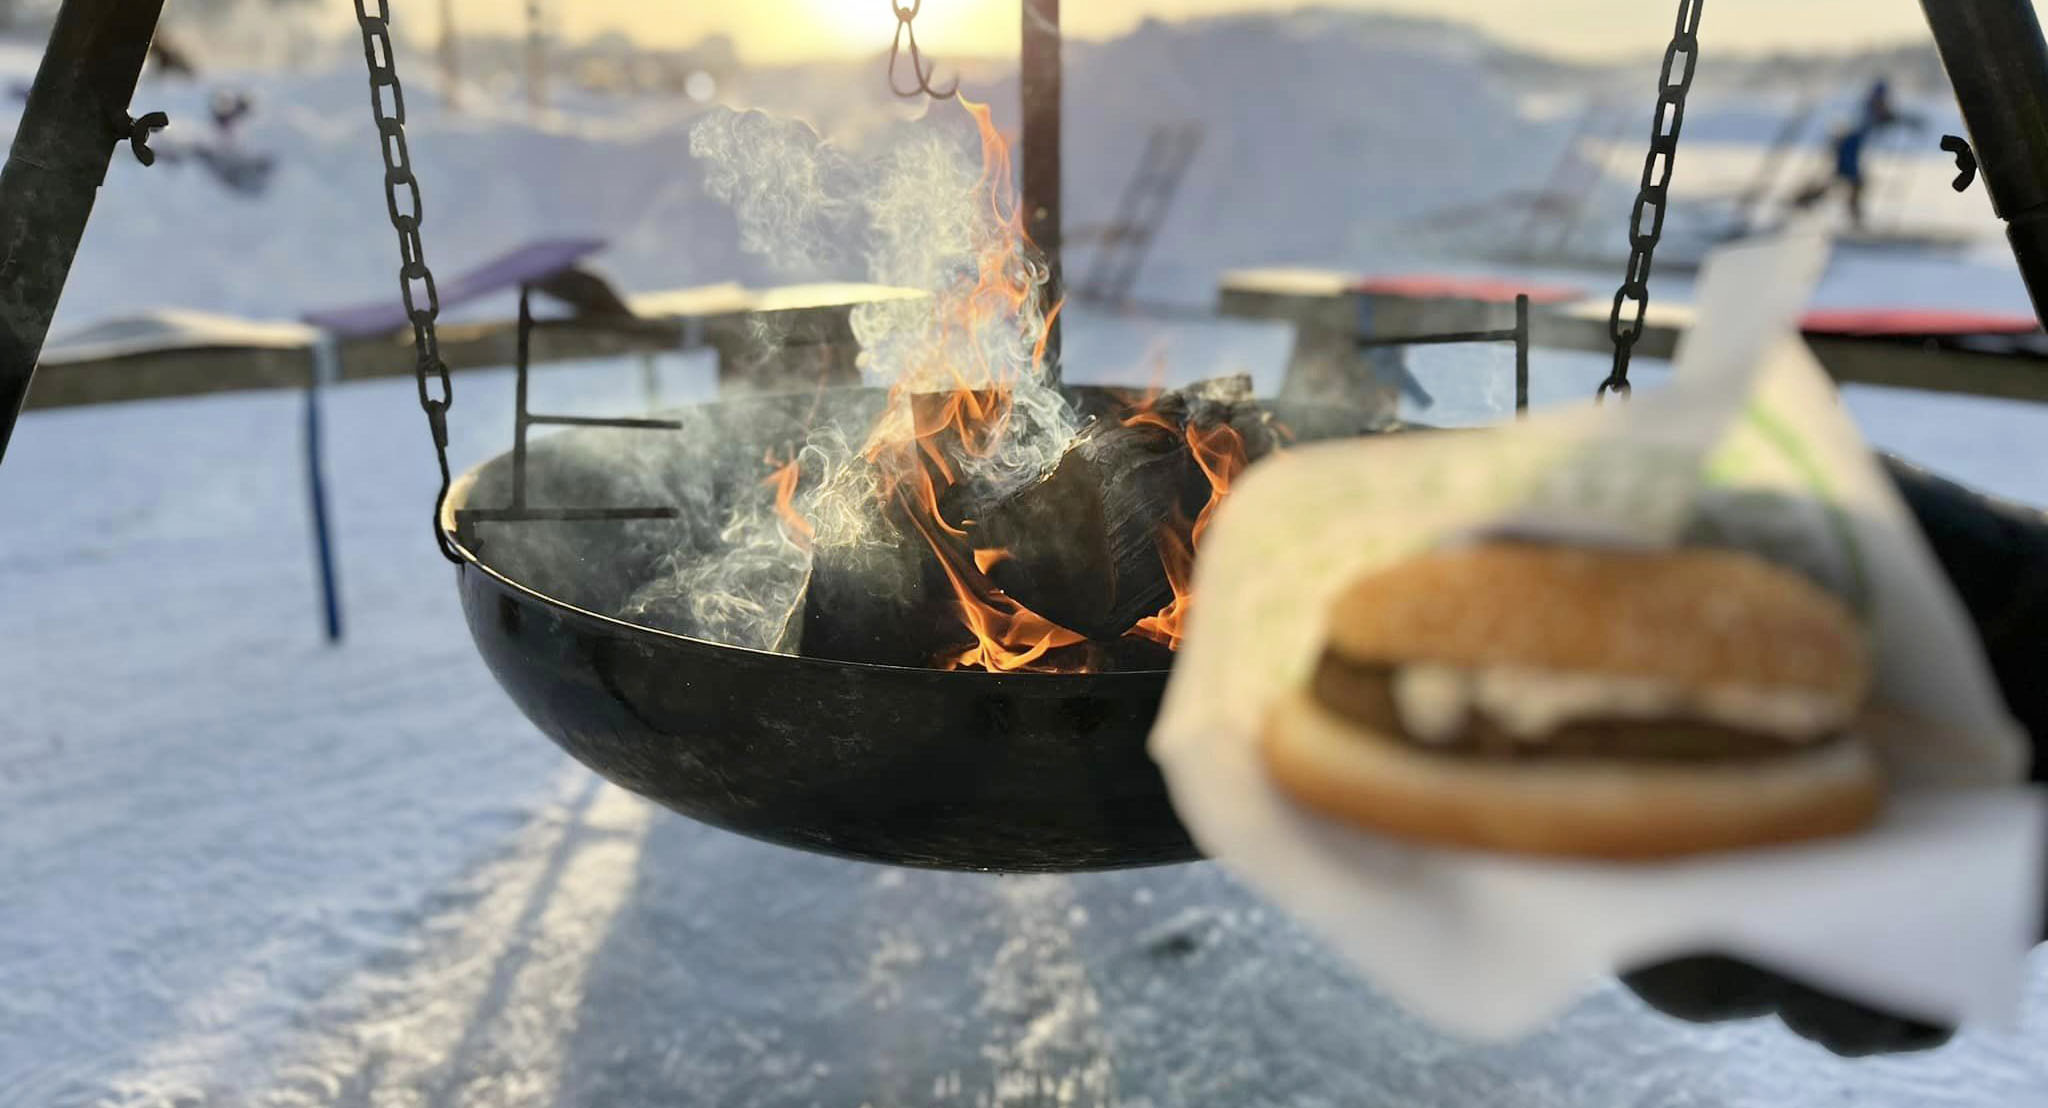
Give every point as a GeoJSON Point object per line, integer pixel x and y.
{"type": "Point", "coordinates": [402, 203]}
{"type": "Point", "coordinates": [1632, 300]}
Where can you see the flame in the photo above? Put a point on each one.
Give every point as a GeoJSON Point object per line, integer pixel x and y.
{"type": "Point", "coordinates": [1007, 635]}
{"type": "Point", "coordinates": [1177, 553]}
{"type": "Point", "coordinates": [783, 480]}
{"type": "Point", "coordinates": [1147, 416]}
{"type": "Point", "coordinates": [952, 404]}
{"type": "Point", "coordinates": [955, 403]}
{"type": "Point", "coordinates": [1220, 453]}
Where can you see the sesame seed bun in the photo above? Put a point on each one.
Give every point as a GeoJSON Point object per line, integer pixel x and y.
{"type": "Point", "coordinates": [1691, 617]}
{"type": "Point", "coordinates": [1598, 809]}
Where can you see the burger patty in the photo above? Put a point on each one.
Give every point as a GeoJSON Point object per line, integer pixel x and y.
{"type": "Point", "coordinates": [1363, 693]}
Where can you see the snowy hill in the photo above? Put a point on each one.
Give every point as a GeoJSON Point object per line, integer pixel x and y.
{"type": "Point", "coordinates": [1328, 134]}
{"type": "Point", "coordinates": [1322, 128]}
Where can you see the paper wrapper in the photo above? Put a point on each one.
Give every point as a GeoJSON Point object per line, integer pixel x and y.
{"type": "Point", "coordinates": [1930, 914]}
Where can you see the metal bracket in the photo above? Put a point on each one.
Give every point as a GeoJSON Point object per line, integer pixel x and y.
{"type": "Point", "coordinates": [1519, 335]}
{"type": "Point", "coordinates": [1966, 160]}
{"type": "Point", "coordinates": [523, 419]}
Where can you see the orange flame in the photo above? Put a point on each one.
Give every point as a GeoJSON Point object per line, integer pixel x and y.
{"type": "Point", "coordinates": [1007, 635]}
{"type": "Point", "coordinates": [1220, 452]}
{"type": "Point", "coordinates": [784, 481]}
{"type": "Point", "coordinates": [958, 401]}
{"type": "Point", "coordinates": [954, 401]}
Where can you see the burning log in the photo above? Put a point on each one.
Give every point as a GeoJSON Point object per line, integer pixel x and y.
{"type": "Point", "coordinates": [1208, 405]}
{"type": "Point", "coordinates": [919, 598]}
{"type": "Point", "coordinates": [1081, 546]}
{"type": "Point", "coordinates": [871, 592]}
{"type": "Point", "coordinates": [1087, 546]}
{"type": "Point", "coordinates": [877, 604]}
{"type": "Point", "coordinates": [879, 591]}
{"type": "Point", "coordinates": [898, 557]}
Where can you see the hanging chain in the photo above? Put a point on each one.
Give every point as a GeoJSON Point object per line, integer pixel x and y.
{"type": "Point", "coordinates": [415, 280]}
{"type": "Point", "coordinates": [1632, 302]}
{"type": "Point", "coordinates": [906, 18]}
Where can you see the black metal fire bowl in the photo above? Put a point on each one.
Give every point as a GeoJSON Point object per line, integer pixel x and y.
{"type": "Point", "coordinates": [955, 770]}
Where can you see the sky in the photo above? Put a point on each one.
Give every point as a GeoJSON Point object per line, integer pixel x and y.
{"type": "Point", "coordinates": [788, 30]}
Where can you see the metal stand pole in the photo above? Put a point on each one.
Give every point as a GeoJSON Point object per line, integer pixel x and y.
{"type": "Point", "coordinates": [522, 420]}
{"type": "Point", "coordinates": [1522, 355]}
{"type": "Point", "coordinates": [1039, 85]}
{"type": "Point", "coordinates": [1998, 63]}
{"type": "Point", "coordinates": [76, 113]}
{"type": "Point", "coordinates": [326, 370]}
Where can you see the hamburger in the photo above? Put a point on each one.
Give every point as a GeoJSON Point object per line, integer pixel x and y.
{"type": "Point", "coordinates": [1585, 703]}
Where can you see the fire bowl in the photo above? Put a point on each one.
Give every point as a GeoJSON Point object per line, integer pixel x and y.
{"type": "Point", "coordinates": [966, 770]}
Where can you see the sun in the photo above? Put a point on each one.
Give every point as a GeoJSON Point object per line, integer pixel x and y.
{"type": "Point", "coordinates": [961, 26]}
{"type": "Point", "coordinates": [853, 22]}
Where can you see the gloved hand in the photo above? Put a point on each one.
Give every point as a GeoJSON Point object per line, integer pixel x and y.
{"type": "Point", "coordinates": [1996, 556]}
{"type": "Point", "coordinates": [1709, 988]}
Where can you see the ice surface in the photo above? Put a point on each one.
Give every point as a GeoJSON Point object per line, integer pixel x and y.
{"type": "Point", "coordinates": [240, 868]}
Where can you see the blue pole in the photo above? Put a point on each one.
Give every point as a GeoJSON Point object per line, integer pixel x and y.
{"type": "Point", "coordinates": [324, 370]}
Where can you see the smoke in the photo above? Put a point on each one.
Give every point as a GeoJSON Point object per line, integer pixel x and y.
{"type": "Point", "coordinates": [788, 188]}
{"type": "Point", "coordinates": [927, 212]}
{"type": "Point", "coordinates": [843, 492]}
{"type": "Point", "coordinates": [941, 221]}
{"type": "Point", "coordinates": [748, 587]}
{"type": "Point", "coordinates": [747, 591]}
{"type": "Point", "coordinates": [924, 232]}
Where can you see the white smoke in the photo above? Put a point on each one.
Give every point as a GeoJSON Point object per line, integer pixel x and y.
{"type": "Point", "coordinates": [928, 219]}
{"type": "Point", "coordinates": [747, 591]}
{"type": "Point", "coordinates": [840, 493]}
{"type": "Point", "coordinates": [924, 215]}
{"type": "Point", "coordinates": [933, 225]}
{"type": "Point", "coordinates": [791, 191]}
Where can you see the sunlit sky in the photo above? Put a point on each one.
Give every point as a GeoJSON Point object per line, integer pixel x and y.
{"type": "Point", "coordinates": [787, 30]}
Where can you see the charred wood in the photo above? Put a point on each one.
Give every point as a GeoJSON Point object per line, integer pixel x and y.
{"type": "Point", "coordinates": [882, 601]}
{"type": "Point", "coordinates": [1082, 546]}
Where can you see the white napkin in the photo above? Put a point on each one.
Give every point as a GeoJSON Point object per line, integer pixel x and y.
{"type": "Point", "coordinates": [1931, 913]}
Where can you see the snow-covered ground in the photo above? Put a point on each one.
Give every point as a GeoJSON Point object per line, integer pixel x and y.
{"type": "Point", "coordinates": [239, 867]}
{"type": "Point", "coordinates": [243, 868]}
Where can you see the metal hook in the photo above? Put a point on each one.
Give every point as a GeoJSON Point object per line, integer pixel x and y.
{"type": "Point", "coordinates": [1966, 160]}
{"type": "Point", "coordinates": [906, 14]}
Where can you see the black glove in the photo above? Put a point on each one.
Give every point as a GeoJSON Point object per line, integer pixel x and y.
{"type": "Point", "coordinates": [1996, 556]}
{"type": "Point", "coordinates": [1709, 988]}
